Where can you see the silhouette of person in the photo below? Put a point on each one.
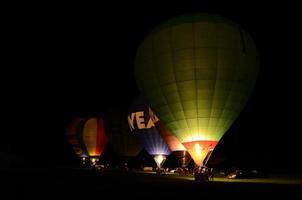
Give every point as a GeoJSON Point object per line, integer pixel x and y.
{"type": "Point", "coordinates": [212, 173]}
{"type": "Point", "coordinates": [197, 173]}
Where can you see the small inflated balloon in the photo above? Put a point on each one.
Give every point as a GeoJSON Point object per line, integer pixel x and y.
{"type": "Point", "coordinates": [87, 137]}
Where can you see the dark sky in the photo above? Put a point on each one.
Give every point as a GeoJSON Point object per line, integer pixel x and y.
{"type": "Point", "coordinates": [68, 61]}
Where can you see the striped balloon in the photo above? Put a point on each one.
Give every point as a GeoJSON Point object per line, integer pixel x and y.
{"type": "Point", "coordinates": [87, 137]}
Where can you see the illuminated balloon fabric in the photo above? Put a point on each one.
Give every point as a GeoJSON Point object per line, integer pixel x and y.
{"type": "Point", "coordinates": [197, 71]}
{"type": "Point", "coordinates": [122, 140]}
{"type": "Point", "coordinates": [171, 140]}
{"type": "Point", "coordinates": [173, 143]}
{"type": "Point", "coordinates": [90, 135]}
{"type": "Point", "coordinates": [143, 127]}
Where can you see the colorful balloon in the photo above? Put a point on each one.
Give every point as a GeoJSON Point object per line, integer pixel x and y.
{"type": "Point", "coordinates": [197, 71]}
{"type": "Point", "coordinates": [87, 137]}
{"type": "Point", "coordinates": [173, 143]}
{"type": "Point", "coordinates": [143, 127]}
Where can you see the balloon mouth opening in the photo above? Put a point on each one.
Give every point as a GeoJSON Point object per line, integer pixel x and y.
{"type": "Point", "coordinates": [159, 159]}
{"type": "Point", "coordinates": [199, 150]}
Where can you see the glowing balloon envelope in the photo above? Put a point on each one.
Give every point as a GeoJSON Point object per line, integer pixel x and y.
{"type": "Point", "coordinates": [143, 127]}
{"type": "Point", "coordinates": [197, 72]}
{"type": "Point", "coordinates": [173, 143]}
{"type": "Point", "coordinates": [87, 137]}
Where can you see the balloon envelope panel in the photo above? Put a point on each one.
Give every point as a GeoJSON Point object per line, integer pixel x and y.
{"type": "Point", "coordinates": [94, 136]}
{"type": "Point", "coordinates": [172, 142]}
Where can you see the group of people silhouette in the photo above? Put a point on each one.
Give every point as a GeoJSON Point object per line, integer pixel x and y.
{"type": "Point", "coordinates": [203, 173]}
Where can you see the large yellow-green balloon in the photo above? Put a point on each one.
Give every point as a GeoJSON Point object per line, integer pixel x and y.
{"type": "Point", "coordinates": [197, 71]}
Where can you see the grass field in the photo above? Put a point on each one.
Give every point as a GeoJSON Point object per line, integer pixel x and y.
{"type": "Point", "coordinates": [274, 179]}
{"type": "Point", "coordinates": [86, 184]}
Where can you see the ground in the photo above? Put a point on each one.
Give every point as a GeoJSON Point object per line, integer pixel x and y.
{"type": "Point", "coordinates": [85, 184]}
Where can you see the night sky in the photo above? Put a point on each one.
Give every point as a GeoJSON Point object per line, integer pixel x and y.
{"type": "Point", "coordinates": [67, 61]}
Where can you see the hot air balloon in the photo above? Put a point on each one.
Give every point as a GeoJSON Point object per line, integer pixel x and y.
{"type": "Point", "coordinates": [124, 143]}
{"type": "Point", "coordinates": [143, 127]}
{"type": "Point", "coordinates": [87, 138]}
{"type": "Point", "coordinates": [72, 137]}
{"type": "Point", "coordinates": [173, 143]}
{"type": "Point", "coordinates": [197, 72]}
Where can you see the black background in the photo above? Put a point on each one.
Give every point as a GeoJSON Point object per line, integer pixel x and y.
{"type": "Point", "coordinates": [64, 61]}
